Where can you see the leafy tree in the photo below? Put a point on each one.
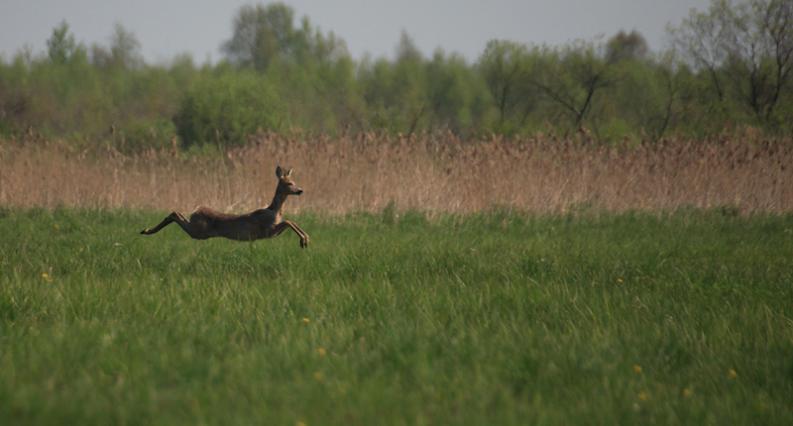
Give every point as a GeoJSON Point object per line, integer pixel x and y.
{"type": "Point", "coordinates": [507, 70]}
{"type": "Point", "coordinates": [396, 92]}
{"type": "Point", "coordinates": [749, 44]}
{"type": "Point", "coordinates": [124, 48]}
{"type": "Point", "coordinates": [406, 49]}
{"type": "Point", "coordinates": [645, 97]}
{"type": "Point", "coordinates": [410, 84]}
{"type": "Point", "coordinates": [455, 93]}
{"type": "Point", "coordinates": [760, 48]}
{"type": "Point", "coordinates": [572, 77]}
{"type": "Point", "coordinates": [699, 39]}
{"type": "Point", "coordinates": [123, 52]}
{"type": "Point", "coordinates": [261, 34]}
{"type": "Point", "coordinates": [61, 47]}
{"type": "Point", "coordinates": [265, 34]}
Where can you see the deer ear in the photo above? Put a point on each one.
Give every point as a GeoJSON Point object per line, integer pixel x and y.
{"type": "Point", "coordinates": [279, 172]}
{"type": "Point", "coordinates": [289, 173]}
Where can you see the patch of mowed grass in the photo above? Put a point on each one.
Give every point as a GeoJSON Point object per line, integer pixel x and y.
{"type": "Point", "coordinates": [495, 318]}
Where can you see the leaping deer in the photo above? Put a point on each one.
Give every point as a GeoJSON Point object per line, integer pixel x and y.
{"type": "Point", "coordinates": [263, 223]}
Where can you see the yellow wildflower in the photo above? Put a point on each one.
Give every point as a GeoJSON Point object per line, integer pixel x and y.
{"type": "Point", "coordinates": [643, 396]}
{"type": "Point", "coordinates": [637, 368]}
{"type": "Point", "coordinates": [687, 392]}
{"type": "Point", "coordinates": [321, 351]}
{"type": "Point", "coordinates": [306, 320]}
{"type": "Point", "coordinates": [46, 277]}
{"type": "Point", "coordinates": [732, 374]}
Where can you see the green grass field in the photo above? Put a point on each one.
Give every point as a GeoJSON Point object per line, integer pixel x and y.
{"type": "Point", "coordinates": [683, 318]}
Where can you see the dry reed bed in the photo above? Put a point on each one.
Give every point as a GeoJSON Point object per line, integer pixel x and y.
{"type": "Point", "coordinates": [431, 173]}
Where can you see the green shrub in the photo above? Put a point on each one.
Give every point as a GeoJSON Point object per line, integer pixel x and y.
{"type": "Point", "coordinates": [141, 135]}
{"type": "Point", "coordinates": [223, 110]}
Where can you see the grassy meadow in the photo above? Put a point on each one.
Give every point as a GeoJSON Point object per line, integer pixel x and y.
{"type": "Point", "coordinates": [397, 318]}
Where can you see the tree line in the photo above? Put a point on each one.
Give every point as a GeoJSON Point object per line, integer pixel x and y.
{"type": "Point", "coordinates": [727, 68]}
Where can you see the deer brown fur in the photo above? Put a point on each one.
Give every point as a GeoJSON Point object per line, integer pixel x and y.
{"type": "Point", "coordinates": [263, 223]}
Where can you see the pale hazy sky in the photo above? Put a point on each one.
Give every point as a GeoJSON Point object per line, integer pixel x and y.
{"type": "Point", "coordinates": [169, 27]}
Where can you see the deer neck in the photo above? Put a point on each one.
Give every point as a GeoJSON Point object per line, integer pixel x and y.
{"type": "Point", "coordinates": [278, 202]}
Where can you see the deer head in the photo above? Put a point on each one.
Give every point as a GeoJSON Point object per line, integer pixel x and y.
{"type": "Point", "coordinates": [286, 185]}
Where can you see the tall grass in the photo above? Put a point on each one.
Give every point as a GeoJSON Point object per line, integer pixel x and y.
{"type": "Point", "coordinates": [432, 173]}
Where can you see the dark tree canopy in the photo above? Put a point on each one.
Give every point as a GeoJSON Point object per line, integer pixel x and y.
{"type": "Point", "coordinates": [626, 46]}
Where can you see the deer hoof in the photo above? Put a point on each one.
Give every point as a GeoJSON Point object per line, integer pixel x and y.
{"type": "Point", "coordinates": [304, 242]}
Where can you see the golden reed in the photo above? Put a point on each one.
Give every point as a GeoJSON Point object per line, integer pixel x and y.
{"type": "Point", "coordinates": [432, 173]}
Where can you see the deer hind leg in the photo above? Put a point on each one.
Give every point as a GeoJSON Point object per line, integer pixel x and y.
{"type": "Point", "coordinates": [167, 221]}
{"type": "Point", "coordinates": [194, 230]}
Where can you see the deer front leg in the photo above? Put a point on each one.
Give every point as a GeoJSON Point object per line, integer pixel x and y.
{"type": "Point", "coordinates": [304, 239]}
{"type": "Point", "coordinates": [281, 227]}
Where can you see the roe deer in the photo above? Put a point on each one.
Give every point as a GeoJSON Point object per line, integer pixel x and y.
{"type": "Point", "coordinates": [263, 223]}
